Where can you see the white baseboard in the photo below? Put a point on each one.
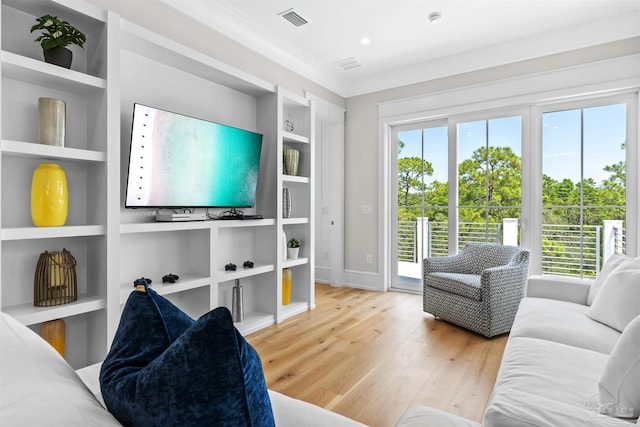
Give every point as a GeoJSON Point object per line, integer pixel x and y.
{"type": "Point", "coordinates": [352, 278]}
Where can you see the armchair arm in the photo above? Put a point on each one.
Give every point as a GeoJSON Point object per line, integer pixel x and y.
{"type": "Point", "coordinates": [571, 289]}
{"type": "Point", "coordinates": [449, 264]}
{"type": "Point", "coordinates": [512, 276]}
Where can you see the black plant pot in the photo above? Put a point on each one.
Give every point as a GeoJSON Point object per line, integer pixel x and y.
{"type": "Point", "coordinates": [59, 56]}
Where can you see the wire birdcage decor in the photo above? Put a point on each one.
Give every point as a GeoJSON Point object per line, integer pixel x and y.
{"type": "Point", "coordinates": [55, 281]}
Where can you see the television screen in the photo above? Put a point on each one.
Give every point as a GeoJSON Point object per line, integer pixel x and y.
{"type": "Point", "coordinates": [177, 161]}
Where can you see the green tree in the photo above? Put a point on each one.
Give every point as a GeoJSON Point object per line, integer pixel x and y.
{"type": "Point", "coordinates": [490, 178]}
{"type": "Point", "coordinates": [411, 171]}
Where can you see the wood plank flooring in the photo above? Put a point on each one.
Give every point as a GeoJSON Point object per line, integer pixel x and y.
{"type": "Point", "coordinates": [371, 355]}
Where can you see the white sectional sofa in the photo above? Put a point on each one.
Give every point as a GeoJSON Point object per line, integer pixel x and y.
{"type": "Point", "coordinates": [554, 360]}
{"type": "Point", "coordinates": [38, 388]}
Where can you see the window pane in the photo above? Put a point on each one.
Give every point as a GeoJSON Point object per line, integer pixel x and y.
{"type": "Point", "coordinates": [561, 147]}
{"type": "Point", "coordinates": [472, 163]}
{"type": "Point", "coordinates": [490, 175]}
{"type": "Point", "coordinates": [505, 163]}
{"type": "Point", "coordinates": [583, 188]}
{"type": "Point", "coordinates": [604, 154]}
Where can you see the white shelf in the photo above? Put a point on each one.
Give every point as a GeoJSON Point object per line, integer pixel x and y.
{"type": "Point", "coordinates": [153, 227]}
{"type": "Point", "coordinates": [241, 272]}
{"type": "Point", "coordinates": [42, 151]}
{"type": "Point", "coordinates": [293, 308]}
{"type": "Point", "coordinates": [254, 322]}
{"type": "Point", "coordinates": [292, 137]}
{"type": "Point", "coordinates": [292, 262]}
{"type": "Point", "coordinates": [298, 179]}
{"type": "Point", "coordinates": [293, 221]}
{"type": "Point", "coordinates": [33, 71]}
{"type": "Point", "coordinates": [236, 223]}
{"type": "Point", "coordinates": [25, 233]}
{"type": "Point", "coordinates": [183, 284]}
{"type": "Point", "coordinates": [30, 314]}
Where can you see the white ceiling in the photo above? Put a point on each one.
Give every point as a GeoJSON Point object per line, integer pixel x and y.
{"type": "Point", "coordinates": [405, 47]}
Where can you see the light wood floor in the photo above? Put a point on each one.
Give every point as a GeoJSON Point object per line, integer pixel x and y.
{"type": "Point", "coordinates": [371, 355]}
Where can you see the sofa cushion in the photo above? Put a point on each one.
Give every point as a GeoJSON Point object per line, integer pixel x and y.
{"type": "Point", "coordinates": [37, 386]}
{"type": "Point", "coordinates": [164, 369]}
{"type": "Point", "coordinates": [562, 322]}
{"type": "Point", "coordinates": [611, 264]}
{"type": "Point", "coordinates": [616, 304]}
{"type": "Point", "coordinates": [545, 383]}
{"type": "Point", "coordinates": [466, 285]}
{"type": "Point", "coordinates": [620, 381]}
{"type": "Point", "coordinates": [425, 416]}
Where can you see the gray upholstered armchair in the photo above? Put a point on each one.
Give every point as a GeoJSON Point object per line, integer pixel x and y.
{"type": "Point", "coordinates": [479, 289]}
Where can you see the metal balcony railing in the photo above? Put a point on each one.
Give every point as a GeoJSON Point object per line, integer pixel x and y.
{"type": "Point", "coordinates": [566, 249]}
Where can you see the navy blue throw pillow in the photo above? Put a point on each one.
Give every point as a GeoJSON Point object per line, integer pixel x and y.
{"type": "Point", "coordinates": [165, 369]}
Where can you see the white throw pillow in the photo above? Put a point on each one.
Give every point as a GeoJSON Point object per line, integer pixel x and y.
{"type": "Point", "coordinates": [618, 301]}
{"type": "Point", "coordinates": [620, 381]}
{"type": "Point", "coordinates": [613, 261]}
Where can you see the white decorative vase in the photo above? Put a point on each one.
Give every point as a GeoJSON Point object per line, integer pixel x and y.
{"type": "Point", "coordinates": [51, 121]}
{"type": "Point", "coordinates": [292, 253]}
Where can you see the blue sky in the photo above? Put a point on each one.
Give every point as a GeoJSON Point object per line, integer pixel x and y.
{"type": "Point", "coordinates": [604, 133]}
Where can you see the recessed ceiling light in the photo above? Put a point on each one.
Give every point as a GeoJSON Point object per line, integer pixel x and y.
{"type": "Point", "coordinates": [365, 40]}
{"type": "Point", "coordinates": [435, 17]}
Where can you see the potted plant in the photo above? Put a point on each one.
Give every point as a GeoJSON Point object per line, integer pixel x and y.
{"type": "Point", "coordinates": [293, 246]}
{"type": "Point", "coordinates": [56, 35]}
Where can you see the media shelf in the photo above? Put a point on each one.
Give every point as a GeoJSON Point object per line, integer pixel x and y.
{"type": "Point", "coordinates": [242, 273]}
{"type": "Point", "coordinates": [184, 283]}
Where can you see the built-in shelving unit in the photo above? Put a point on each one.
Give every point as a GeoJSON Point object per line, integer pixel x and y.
{"type": "Point", "coordinates": [298, 112]}
{"type": "Point", "coordinates": [84, 158]}
{"type": "Point", "coordinates": [123, 63]}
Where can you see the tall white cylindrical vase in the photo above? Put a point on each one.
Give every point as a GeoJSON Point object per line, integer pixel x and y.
{"type": "Point", "coordinates": [51, 121]}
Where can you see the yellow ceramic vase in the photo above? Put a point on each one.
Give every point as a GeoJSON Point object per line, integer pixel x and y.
{"type": "Point", "coordinates": [286, 286]}
{"type": "Point", "coordinates": [49, 196]}
{"type": "Point", "coordinates": [54, 332]}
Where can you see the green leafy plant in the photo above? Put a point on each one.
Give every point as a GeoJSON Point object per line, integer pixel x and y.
{"type": "Point", "coordinates": [293, 243]}
{"type": "Point", "coordinates": [57, 33]}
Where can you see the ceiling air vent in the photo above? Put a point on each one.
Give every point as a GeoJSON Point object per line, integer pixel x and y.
{"type": "Point", "coordinates": [293, 17]}
{"type": "Point", "coordinates": [348, 63]}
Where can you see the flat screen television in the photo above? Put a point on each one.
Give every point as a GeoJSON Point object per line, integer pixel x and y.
{"type": "Point", "coordinates": [178, 161]}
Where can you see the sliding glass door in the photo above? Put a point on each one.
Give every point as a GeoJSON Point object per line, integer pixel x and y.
{"type": "Point", "coordinates": [482, 157]}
